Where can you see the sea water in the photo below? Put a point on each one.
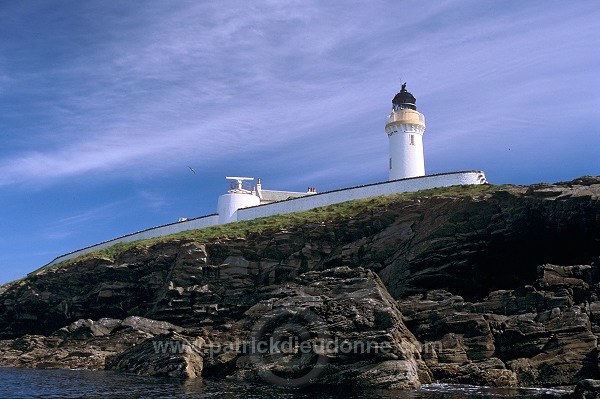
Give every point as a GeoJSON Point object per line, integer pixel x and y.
{"type": "Point", "coordinates": [70, 384]}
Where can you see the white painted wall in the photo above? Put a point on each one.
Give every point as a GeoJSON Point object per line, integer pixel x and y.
{"type": "Point", "coordinates": [406, 157]}
{"type": "Point", "coordinates": [191, 224]}
{"type": "Point", "coordinates": [405, 128]}
{"type": "Point", "coordinates": [229, 203]}
{"type": "Point", "coordinates": [370, 190]}
{"type": "Point", "coordinates": [289, 206]}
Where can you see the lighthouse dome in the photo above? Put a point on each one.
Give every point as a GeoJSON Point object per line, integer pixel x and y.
{"type": "Point", "coordinates": [404, 100]}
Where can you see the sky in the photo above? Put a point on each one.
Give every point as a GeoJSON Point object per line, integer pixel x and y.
{"type": "Point", "coordinates": [105, 105]}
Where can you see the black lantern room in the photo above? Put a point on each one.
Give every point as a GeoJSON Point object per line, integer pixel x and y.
{"type": "Point", "coordinates": [404, 100]}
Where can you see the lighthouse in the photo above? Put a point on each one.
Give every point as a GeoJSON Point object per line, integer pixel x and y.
{"type": "Point", "coordinates": [405, 127]}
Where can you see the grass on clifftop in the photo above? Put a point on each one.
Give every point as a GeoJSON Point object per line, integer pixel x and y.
{"type": "Point", "coordinates": [341, 211]}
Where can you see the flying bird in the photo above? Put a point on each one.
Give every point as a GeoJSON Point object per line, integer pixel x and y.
{"type": "Point", "coordinates": [192, 169]}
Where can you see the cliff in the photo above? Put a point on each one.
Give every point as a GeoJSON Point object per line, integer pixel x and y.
{"type": "Point", "coordinates": [477, 284]}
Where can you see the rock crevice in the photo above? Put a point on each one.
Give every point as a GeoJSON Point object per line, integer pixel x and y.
{"type": "Point", "coordinates": [499, 287]}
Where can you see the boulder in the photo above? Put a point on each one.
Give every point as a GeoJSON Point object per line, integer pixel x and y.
{"type": "Point", "coordinates": [162, 356]}
{"type": "Point", "coordinates": [587, 389]}
{"type": "Point", "coordinates": [150, 326]}
{"type": "Point", "coordinates": [476, 284]}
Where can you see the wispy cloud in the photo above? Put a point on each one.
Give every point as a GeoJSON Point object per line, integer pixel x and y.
{"type": "Point", "coordinates": [167, 82]}
{"type": "Point", "coordinates": [66, 227]}
{"type": "Point", "coordinates": [154, 200]}
{"type": "Point", "coordinates": [101, 98]}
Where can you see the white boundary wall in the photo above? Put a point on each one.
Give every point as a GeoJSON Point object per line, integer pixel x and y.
{"type": "Point", "coordinates": [366, 191]}
{"type": "Point", "coordinates": [293, 205]}
{"type": "Point", "coordinates": [164, 230]}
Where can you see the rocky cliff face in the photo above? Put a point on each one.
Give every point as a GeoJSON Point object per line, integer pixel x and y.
{"type": "Point", "coordinates": [494, 286]}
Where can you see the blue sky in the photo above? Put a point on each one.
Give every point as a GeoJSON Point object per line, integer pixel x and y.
{"type": "Point", "coordinates": [105, 104]}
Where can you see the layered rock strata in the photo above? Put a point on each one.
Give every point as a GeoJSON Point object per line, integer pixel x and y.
{"type": "Point", "coordinates": [500, 286]}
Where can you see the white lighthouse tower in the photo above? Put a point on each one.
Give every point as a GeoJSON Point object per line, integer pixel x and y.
{"type": "Point", "coordinates": [405, 127]}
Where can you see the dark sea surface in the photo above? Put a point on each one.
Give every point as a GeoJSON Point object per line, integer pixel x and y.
{"type": "Point", "coordinates": [70, 384]}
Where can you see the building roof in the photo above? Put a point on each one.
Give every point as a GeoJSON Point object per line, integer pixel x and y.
{"type": "Point", "coordinates": [272, 195]}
